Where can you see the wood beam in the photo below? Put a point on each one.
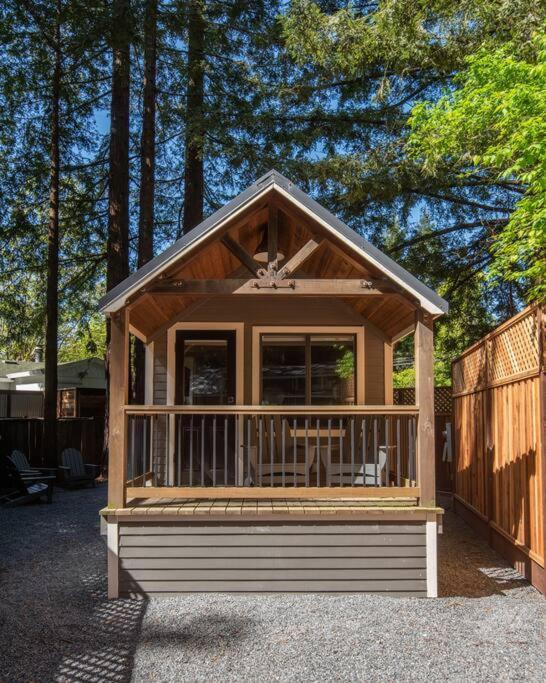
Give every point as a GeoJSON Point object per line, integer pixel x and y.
{"type": "Point", "coordinates": [360, 266]}
{"type": "Point", "coordinates": [241, 254]}
{"type": "Point", "coordinates": [118, 383]}
{"type": "Point", "coordinates": [299, 258]}
{"type": "Point", "coordinates": [264, 285]}
{"type": "Point", "coordinates": [424, 398]}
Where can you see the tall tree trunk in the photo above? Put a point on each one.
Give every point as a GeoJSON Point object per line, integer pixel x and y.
{"type": "Point", "coordinates": [117, 267]}
{"type": "Point", "coordinates": [117, 258]}
{"type": "Point", "coordinates": [52, 287]}
{"type": "Point", "coordinates": [193, 170]}
{"type": "Point", "coordinates": [147, 172]}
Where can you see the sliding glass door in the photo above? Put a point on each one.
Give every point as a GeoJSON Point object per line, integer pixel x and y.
{"type": "Point", "coordinates": [308, 369]}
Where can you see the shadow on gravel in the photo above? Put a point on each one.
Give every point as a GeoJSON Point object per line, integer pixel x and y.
{"type": "Point", "coordinates": [106, 652]}
{"type": "Point", "coordinates": [56, 623]}
{"type": "Point", "coordinates": [208, 634]}
{"type": "Point", "coordinates": [468, 567]}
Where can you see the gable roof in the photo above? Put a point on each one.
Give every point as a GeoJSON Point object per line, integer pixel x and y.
{"type": "Point", "coordinates": [429, 300]}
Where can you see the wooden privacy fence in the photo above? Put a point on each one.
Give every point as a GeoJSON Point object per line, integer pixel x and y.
{"type": "Point", "coordinates": [27, 435]}
{"type": "Point", "coordinates": [21, 403]}
{"type": "Point", "coordinates": [442, 416]}
{"type": "Point", "coordinates": [499, 415]}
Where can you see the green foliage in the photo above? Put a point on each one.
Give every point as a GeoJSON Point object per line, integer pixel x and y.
{"type": "Point", "coordinates": [26, 62]}
{"type": "Point", "coordinates": [87, 339]}
{"type": "Point", "coordinates": [345, 365]}
{"type": "Point", "coordinates": [403, 378]}
{"type": "Point", "coordinates": [496, 120]}
{"type": "Point", "coordinates": [365, 66]}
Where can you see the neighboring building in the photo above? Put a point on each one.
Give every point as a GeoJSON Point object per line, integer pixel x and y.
{"type": "Point", "coordinates": [81, 388]}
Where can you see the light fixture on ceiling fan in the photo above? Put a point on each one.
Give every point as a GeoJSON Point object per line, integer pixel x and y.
{"type": "Point", "coordinates": [262, 252]}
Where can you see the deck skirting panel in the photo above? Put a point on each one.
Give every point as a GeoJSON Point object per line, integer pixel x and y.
{"type": "Point", "coordinates": [165, 558]}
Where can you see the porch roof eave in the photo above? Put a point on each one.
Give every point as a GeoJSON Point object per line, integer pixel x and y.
{"type": "Point", "coordinates": [431, 302]}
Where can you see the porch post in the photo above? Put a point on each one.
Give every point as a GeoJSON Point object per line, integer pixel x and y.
{"type": "Point", "coordinates": [424, 397]}
{"type": "Point", "coordinates": [118, 397]}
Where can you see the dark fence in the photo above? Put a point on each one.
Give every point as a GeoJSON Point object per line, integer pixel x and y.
{"type": "Point", "coordinates": [27, 435]}
{"type": "Point", "coordinates": [21, 403]}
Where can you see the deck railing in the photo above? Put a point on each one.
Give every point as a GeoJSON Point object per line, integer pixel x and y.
{"type": "Point", "coordinates": [197, 448]}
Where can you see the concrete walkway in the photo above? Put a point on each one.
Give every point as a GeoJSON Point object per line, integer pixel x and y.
{"type": "Point", "coordinates": [57, 625]}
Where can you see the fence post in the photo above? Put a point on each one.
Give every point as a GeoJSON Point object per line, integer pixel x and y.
{"type": "Point", "coordinates": [424, 395]}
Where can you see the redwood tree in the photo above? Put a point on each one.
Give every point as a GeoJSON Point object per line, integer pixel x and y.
{"type": "Point", "coordinates": [117, 267]}
{"type": "Point", "coordinates": [117, 258]}
{"type": "Point", "coordinates": [147, 170]}
{"type": "Point", "coordinates": [52, 287]}
{"type": "Point", "coordinates": [195, 125]}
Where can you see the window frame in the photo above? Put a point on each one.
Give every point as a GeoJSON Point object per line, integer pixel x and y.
{"type": "Point", "coordinates": [307, 331]}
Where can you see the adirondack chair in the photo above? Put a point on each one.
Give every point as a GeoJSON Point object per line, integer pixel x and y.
{"type": "Point", "coordinates": [18, 488]}
{"type": "Point", "coordinates": [369, 474]}
{"type": "Point", "coordinates": [74, 471]}
{"type": "Point", "coordinates": [271, 470]}
{"type": "Point", "coordinates": [19, 459]}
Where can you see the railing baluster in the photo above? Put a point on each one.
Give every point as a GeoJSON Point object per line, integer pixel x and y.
{"type": "Point", "coordinates": [413, 449]}
{"type": "Point", "coordinates": [387, 451]}
{"type": "Point", "coordinates": [375, 454]}
{"type": "Point", "coordinates": [132, 449]}
{"type": "Point", "coordinates": [225, 450]}
{"type": "Point", "coordinates": [363, 428]}
{"type": "Point", "coordinates": [202, 450]}
{"type": "Point", "coordinates": [260, 455]}
{"type": "Point", "coordinates": [248, 446]}
{"type": "Point", "coordinates": [398, 459]}
{"type": "Point", "coordinates": [317, 455]}
{"type": "Point", "coordinates": [236, 437]}
{"type": "Point", "coordinates": [352, 451]}
{"type": "Point", "coordinates": [340, 452]}
{"type": "Point", "coordinates": [191, 452]}
{"type": "Point", "coordinates": [295, 448]}
{"type": "Point", "coordinates": [144, 443]}
{"type": "Point", "coordinates": [271, 449]}
{"type": "Point", "coordinates": [214, 450]}
{"type": "Point", "coordinates": [329, 462]}
{"type": "Point", "coordinates": [306, 451]}
{"type": "Point", "coordinates": [178, 449]}
{"type": "Point", "coordinates": [283, 454]}
{"type": "Point", "coordinates": [167, 479]}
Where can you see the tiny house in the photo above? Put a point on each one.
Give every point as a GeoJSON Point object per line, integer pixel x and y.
{"type": "Point", "coordinates": [269, 455]}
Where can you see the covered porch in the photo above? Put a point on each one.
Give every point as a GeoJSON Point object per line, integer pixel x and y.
{"type": "Point", "coordinates": [269, 334]}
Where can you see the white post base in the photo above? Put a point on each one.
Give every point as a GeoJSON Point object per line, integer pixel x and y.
{"type": "Point", "coordinates": [112, 541]}
{"type": "Point", "coordinates": [432, 557]}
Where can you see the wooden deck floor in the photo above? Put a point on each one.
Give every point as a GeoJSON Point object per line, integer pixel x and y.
{"type": "Point", "coordinates": [252, 508]}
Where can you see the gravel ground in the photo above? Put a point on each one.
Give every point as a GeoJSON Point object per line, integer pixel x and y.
{"type": "Point", "coordinates": [57, 625]}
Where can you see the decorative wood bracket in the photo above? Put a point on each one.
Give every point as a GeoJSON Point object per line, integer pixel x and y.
{"type": "Point", "coordinates": [273, 283]}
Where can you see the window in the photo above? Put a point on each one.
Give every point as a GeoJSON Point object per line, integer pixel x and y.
{"type": "Point", "coordinates": [205, 372]}
{"type": "Point", "coordinates": [308, 369]}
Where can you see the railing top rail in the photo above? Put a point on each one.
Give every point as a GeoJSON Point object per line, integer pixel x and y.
{"type": "Point", "coordinates": [272, 410]}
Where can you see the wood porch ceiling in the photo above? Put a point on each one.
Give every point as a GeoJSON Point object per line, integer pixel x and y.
{"type": "Point", "coordinates": [392, 312]}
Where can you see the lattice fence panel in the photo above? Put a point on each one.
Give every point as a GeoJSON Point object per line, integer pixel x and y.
{"type": "Point", "coordinates": [442, 398]}
{"type": "Point", "coordinates": [514, 349]}
{"type": "Point", "coordinates": [404, 396]}
{"type": "Point", "coordinates": [470, 371]}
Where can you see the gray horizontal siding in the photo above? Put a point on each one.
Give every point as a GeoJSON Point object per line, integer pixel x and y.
{"type": "Point", "coordinates": [271, 562]}
{"type": "Point", "coordinates": [270, 551]}
{"type": "Point", "coordinates": [175, 557]}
